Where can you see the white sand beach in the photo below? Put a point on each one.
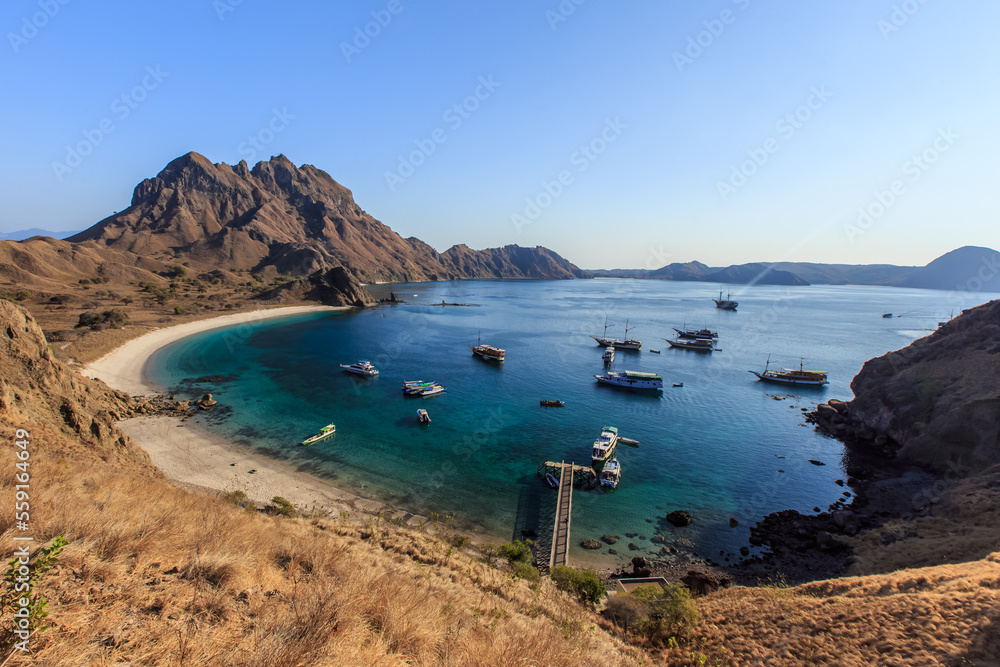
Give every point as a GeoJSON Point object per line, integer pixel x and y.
{"type": "Point", "coordinates": [195, 458]}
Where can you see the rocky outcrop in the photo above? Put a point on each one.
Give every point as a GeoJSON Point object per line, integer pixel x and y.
{"type": "Point", "coordinates": [332, 287]}
{"type": "Point", "coordinates": [279, 219]}
{"type": "Point", "coordinates": [935, 402]}
{"type": "Point", "coordinates": [679, 518]}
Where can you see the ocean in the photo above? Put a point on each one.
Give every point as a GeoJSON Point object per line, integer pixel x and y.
{"type": "Point", "coordinates": [722, 446]}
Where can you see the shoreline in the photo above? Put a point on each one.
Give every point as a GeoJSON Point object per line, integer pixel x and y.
{"type": "Point", "coordinates": [197, 459]}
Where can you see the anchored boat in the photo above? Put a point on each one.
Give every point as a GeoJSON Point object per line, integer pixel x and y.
{"type": "Point", "coordinates": [793, 376]}
{"type": "Point", "coordinates": [611, 474]}
{"type": "Point", "coordinates": [487, 352]}
{"type": "Point", "coordinates": [551, 404]}
{"type": "Point", "coordinates": [725, 304]}
{"type": "Point", "coordinates": [324, 432]}
{"type": "Point", "coordinates": [631, 380]}
{"type": "Point", "coordinates": [696, 334]}
{"type": "Point", "coordinates": [609, 355]}
{"type": "Point", "coordinates": [605, 444]}
{"type": "Point", "coordinates": [423, 417]}
{"type": "Point", "coordinates": [360, 368]}
{"type": "Point", "coordinates": [626, 344]}
{"type": "Point", "coordinates": [696, 344]}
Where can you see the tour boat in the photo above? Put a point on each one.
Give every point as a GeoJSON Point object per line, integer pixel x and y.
{"type": "Point", "coordinates": [423, 417]}
{"type": "Point", "coordinates": [700, 333]}
{"type": "Point", "coordinates": [487, 352]}
{"type": "Point", "coordinates": [725, 304]}
{"type": "Point", "coordinates": [324, 432]}
{"type": "Point", "coordinates": [631, 380]}
{"type": "Point", "coordinates": [605, 444]}
{"type": "Point", "coordinates": [415, 387]}
{"type": "Point", "coordinates": [551, 404]}
{"type": "Point", "coordinates": [793, 376]}
{"type": "Point", "coordinates": [611, 474]}
{"type": "Point", "coordinates": [696, 344]}
{"type": "Point", "coordinates": [626, 344]}
{"type": "Point", "coordinates": [609, 355]}
{"type": "Point", "coordinates": [432, 390]}
{"type": "Point", "coordinates": [361, 368]}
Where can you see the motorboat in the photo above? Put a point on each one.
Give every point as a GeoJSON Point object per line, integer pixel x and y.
{"type": "Point", "coordinates": [605, 444]}
{"type": "Point", "coordinates": [360, 368]}
{"type": "Point", "coordinates": [324, 433]}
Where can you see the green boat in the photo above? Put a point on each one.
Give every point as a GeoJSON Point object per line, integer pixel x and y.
{"type": "Point", "coordinates": [324, 432]}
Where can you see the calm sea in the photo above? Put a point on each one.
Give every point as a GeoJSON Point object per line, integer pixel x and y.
{"type": "Point", "coordinates": [723, 445]}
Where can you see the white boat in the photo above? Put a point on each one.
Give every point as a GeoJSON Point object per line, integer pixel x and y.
{"type": "Point", "coordinates": [428, 390]}
{"type": "Point", "coordinates": [423, 417]}
{"type": "Point", "coordinates": [611, 474]}
{"type": "Point", "coordinates": [631, 380]}
{"type": "Point", "coordinates": [609, 355]}
{"type": "Point", "coordinates": [360, 368]}
{"type": "Point", "coordinates": [324, 432]}
{"type": "Point", "coordinates": [605, 444]}
{"type": "Point", "coordinates": [487, 352]}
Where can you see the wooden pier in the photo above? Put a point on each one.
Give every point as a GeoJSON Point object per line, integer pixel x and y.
{"type": "Point", "coordinates": [569, 475]}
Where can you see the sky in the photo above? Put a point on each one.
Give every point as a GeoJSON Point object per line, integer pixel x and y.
{"type": "Point", "coordinates": [620, 135]}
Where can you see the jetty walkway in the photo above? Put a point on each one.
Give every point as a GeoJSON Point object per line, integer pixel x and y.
{"type": "Point", "coordinates": [567, 473]}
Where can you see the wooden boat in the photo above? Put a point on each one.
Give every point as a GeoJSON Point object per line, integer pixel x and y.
{"type": "Point", "coordinates": [654, 351]}
{"type": "Point", "coordinates": [423, 417]}
{"type": "Point", "coordinates": [626, 344]}
{"type": "Point", "coordinates": [699, 333]}
{"type": "Point", "coordinates": [696, 344]}
{"type": "Point", "coordinates": [324, 432]}
{"type": "Point", "coordinates": [793, 376]}
{"type": "Point", "coordinates": [725, 304]}
{"type": "Point", "coordinates": [551, 404]}
{"type": "Point", "coordinates": [487, 352]}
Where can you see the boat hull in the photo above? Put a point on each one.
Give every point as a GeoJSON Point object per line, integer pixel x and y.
{"type": "Point", "coordinates": [690, 345]}
{"type": "Point", "coordinates": [636, 384]}
{"type": "Point", "coordinates": [792, 381]}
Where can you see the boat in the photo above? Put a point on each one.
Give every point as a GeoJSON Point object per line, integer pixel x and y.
{"type": "Point", "coordinates": [487, 352]}
{"type": "Point", "coordinates": [654, 351]}
{"type": "Point", "coordinates": [551, 480]}
{"type": "Point", "coordinates": [627, 344]}
{"type": "Point", "coordinates": [886, 315]}
{"type": "Point", "coordinates": [415, 387]}
{"type": "Point", "coordinates": [324, 432]}
{"type": "Point", "coordinates": [551, 404]}
{"type": "Point", "coordinates": [360, 368]}
{"type": "Point", "coordinates": [696, 334]}
{"type": "Point", "coordinates": [631, 380]}
{"type": "Point", "coordinates": [678, 384]}
{"type": "Point", "coordinates": [605, 444]}
{"type": "Point", "coordinates": [725, 304]}
{"type": "Point", "coordinates": [611, 474]}
{"type": "Point", "coordinates": [793, 376]}
{"type": "Point", "coordinates": [609, 355]}
{"type": "Point", "coordinates": [696, 344]}
{"type": "Point", "coordinates": [432, 390]}
{"type": "Point", "coordinates": [423, 417]}
{"type": "Point", "coordinates": [631, 442]}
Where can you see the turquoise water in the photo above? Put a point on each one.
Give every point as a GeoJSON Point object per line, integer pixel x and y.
{"type": "Point", "coordinates": [713, 447]}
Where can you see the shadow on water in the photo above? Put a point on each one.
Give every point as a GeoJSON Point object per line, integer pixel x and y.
{"type": "Point", "coordinates": [535, 514]}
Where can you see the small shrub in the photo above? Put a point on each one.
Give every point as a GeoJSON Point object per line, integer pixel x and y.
{"type": "Point", "coordinates": [585, 584]}
{"type": "Point", "coordinates": [281, 507]}
{"type": "Point", "coordinates": [525, 571]}
{"type": "Point", "coordinates": [660, 614]}
{"type": "Point", "coordinates": [178, 310]}
{"type": "Point", "coordinates": [15, 295]}
{"type": "Point", "coordinates": [518, 551]}
{"type": "Point", "coordinates": [179, 271]}
{"type": "Point", "coordinates": [114, 318]}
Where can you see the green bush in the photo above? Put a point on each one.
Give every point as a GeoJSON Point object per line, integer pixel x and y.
{"type": "Point", "coordinates": [281, 507]}
{"type": "Point", "coordinates": [178, 310]}
{"type": "Point", "coordinates": [583, 583]}
{"type": "Point", "coordinates": [525, 571]}
{"type": "Point", "coordinates": [518, 551]}
{"type": "Point", "coordinates": [660, 614]}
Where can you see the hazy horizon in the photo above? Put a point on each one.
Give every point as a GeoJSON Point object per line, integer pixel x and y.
{"type": "Point", "coordinates": [620, 137]}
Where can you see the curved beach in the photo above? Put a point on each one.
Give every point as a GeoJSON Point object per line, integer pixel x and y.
{"type": "Point", "coordinates": [195, 458]}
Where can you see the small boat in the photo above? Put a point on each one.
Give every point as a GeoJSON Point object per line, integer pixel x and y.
{"type": "Point", "coordinates": [611, 474]}
{"type": "Point", "coordinates": [487, 352]}
{"type": "Point", "coordinates": [631, 380]}
{"type": "Point", "coordinates": [699, 333]}
{"type": "Point", "coordinates": [433, 390]}
{"type": "Point", "coordinates": [725, 304]}
{"type": "Point", "coordinates": [793, 376]}
{"type": "Point", "coordinates": [696, 344]}
{"type": "Point", "coordinates": [360, 368]}
{"type": "Point", "coordinates": [423, 417]}
{"type": "Point", "coordinates": [605, 444]}
{"type": "Point", "coordinates": [551, 404]}
{"type": "Point", "coordinates": [551, 480]}
{"type": "Point", "coordinates": [631, 442]}
{"type": "Point", "coordinates": [886, 315]}
{"type": "Point", "coordinates": [654, 351]}
{"type": "Point", "coordinates": [609, 355]}
{"type": "Point", "coordinates": [324, 432]}
{"type": "Point", "coordinates": [626, 344]}
{"type": "Point", "coordinates": [678, 384]}
{"type": "Point", "coordinates": [416, 387]}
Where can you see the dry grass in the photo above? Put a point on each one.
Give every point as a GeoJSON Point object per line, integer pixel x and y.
{"type": "Point", "coordinates": [158, 575]}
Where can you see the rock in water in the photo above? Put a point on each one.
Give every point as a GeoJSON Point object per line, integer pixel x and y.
{"type": "Point", "coordinates": [610, 539]}
{"type": "Point", "coordinates": [679, 518]}
{"type": "Point", "coordinates": [590, 544]}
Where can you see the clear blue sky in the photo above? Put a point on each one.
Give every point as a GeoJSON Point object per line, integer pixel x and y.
{"type": "Point", "coordinates": [663, 132]}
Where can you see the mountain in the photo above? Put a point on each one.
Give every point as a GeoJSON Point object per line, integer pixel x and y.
{"type": "Point", "coordinates": [846, 274]}
{"type": "Point", "coordinates": [279, 219]}
{"type": "Point", "coordinates": [23, 234]}
{"type": "Point", "coordinates": [969, 268]}
{"type": "Point", "coordinates": [737, 274]}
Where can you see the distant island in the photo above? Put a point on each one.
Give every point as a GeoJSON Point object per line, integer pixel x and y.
{"type": "Point", "coordinates": [970, 268]}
